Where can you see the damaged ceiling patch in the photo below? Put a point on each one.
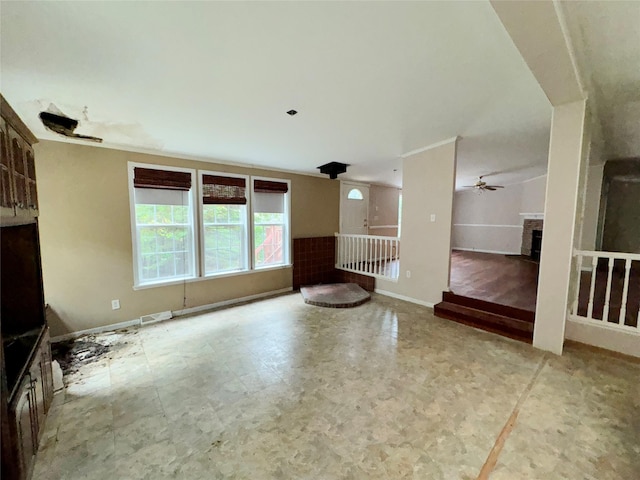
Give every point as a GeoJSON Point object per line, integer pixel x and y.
{"type": "Point", "coordinates": [58, 122]}
{"type": "Point", "coordinates": [77, 123]}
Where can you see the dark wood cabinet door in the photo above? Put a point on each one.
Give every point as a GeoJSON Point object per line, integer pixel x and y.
{"type": "Point", "coordinates": [6, 173]}
{"type": "Point", "coordinates": [38, 399]}
{"type": "Point", "coordinates": [30, 179]}
{"type": "Point", "coordinates": [17, 145]}
{"type": "Point", "coordinates": [47, 372]}
{"type": "Point", "coordinates": [25, 418]}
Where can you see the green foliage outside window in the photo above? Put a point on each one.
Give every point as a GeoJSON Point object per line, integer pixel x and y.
{"type": "Point", "coordinates": [163, 233]}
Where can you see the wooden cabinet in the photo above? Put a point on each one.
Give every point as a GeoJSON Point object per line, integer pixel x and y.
{"type": "Point", "coordinates": [25, 417]}
{"type": "Point", "coordinates": [30, 404]}
{"type": "Point", "coordinates": [19, 195]}
{"type": "Point", "coordinates": [7, 207]}
{"type": "Point", "coordinates": [26, 378]}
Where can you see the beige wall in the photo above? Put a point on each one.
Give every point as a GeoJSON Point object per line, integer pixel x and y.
{"type": "Point", "coordinates": [427, 188]}
{"type": "Point", "coordinates": [488, 221]}
{"type": "Point", "coordinates": [85, 231]}
{"type": "Point", "coordinates": [591, 207]}
{"type": "Point", "coordinates": [383, 210]}
{"type": "Point", "coordinates": [533, 192]}
{"type": "Point", "coordinates": [491, 221]}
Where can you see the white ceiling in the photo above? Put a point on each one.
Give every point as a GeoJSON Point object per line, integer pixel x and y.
{"type": "Point", "coordinates": [606, 37]}
{"type": "Point", "coordinates": [371, 81]}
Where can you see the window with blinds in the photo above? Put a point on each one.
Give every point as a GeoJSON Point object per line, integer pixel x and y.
{"type": "Point", "coordinates": [224, 223]}
{"type": "Point", "coordinates": [164, 225]}
{"type": "Point", "coordinates": [187, 227]}
{"type": "Point", "coordinates": [270, 222]}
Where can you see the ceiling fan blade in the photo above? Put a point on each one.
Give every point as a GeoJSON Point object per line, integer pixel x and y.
{"type": "Point", "coordinates": [489, 187]}
{"type": "Point", "coordinates": [469, 186]}
{"type": "Point", "coordinates": [495, 186]}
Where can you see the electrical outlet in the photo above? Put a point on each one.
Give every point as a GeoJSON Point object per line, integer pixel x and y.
{"type": "Point", "coordinates": [408, 273]}
{"type": "Point", "coordinates": [433, 217]}
{"type": "Point", "coordinates": [115, 304]}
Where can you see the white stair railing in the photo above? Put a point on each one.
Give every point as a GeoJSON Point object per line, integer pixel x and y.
{"type": "Point", "coordinates": [370, 255]}
{"type": "Point", "coordinates": [614, 303]}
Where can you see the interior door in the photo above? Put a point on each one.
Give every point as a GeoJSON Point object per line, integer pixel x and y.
{"type": "Point", "coordinates": [354, 208]}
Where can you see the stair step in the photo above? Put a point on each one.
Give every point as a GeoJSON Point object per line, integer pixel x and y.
{"type": "Point", "coordinates": [504, 310]}
{"type": "Point", "coordinates": [509, 327]}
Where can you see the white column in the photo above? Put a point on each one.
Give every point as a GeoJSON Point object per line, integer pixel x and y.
{"type": "Point", "coordinates": [566, 165]}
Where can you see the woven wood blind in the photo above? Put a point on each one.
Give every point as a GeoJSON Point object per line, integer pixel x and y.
{"type": "Point", "coordinates": [217, 190]}
{"type": "Point", "coordinates": [267, 186]}
{"type": "Point", "coordinates": [165, 179]}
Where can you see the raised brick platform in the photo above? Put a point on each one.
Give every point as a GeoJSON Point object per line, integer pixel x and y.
{"type": "Point", "coordinates": [335, 295]}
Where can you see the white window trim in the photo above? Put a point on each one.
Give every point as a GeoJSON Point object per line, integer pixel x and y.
{"type": "Point", "coordinates": [197, 228]}
{"type": "Point", "coordinates": [248, 230]}
{"type": "Point", "coordinates": [286, 229]}
{"type": "Point", "coordinates": [134, 237]}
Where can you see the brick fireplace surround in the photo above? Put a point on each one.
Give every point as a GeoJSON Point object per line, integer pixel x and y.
{"type": "Point", "coordinates": [314, 263]}
{"type": "Point", "coordinates": [529, 225]}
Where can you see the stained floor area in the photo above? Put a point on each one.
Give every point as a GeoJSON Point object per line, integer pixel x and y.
{"type": "Point", "coordinates": [509, 280]}
{"type": "Point", "coordinates": [282, 389]}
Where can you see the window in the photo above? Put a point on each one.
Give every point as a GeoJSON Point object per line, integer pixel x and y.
{"type": "Point", "coordinates": [355, 194]}
{"type": "Point", "coordinates": [241, 223]}
{"type": "Point", "coordinates": [163, 221]}
{"type": "Point", "coordinates": [224, 222]}
{"type": "Point", "coordinates": [270, 203]}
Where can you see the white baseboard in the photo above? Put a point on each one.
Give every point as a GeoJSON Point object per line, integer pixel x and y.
{"type": "Point", "coordinates": [405, 298]}
{"type": "Point", "coordinates": [233, 301]}
{"type": "Point", "coordinates": [484, 251]}
{"type": "Point", "coordinates": [89, 331]}
{"type": "Point", "coordinates": [625, 341]}
{"type": "Point", "coordinates": [176, 313]}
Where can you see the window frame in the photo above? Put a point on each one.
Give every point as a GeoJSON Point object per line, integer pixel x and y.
{"type": "Point", "coordinates": [286, 230]}
{"type": "Point", "coordinates": [137, 258]}
{"type": "Point", "coordinates": [247, 227]}
{"type": "Point", "coordinates": [197, 227]}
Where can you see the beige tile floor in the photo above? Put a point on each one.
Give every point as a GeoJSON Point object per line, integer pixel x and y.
{"type": "Point", "coordinates": [284, 390]}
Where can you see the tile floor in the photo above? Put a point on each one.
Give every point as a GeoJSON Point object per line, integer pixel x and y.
{"type": "Point", "coordinates": [279, 389]}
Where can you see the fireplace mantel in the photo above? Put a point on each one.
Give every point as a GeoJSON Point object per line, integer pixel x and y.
{"type": "Point", "coordinates": [532, 216]}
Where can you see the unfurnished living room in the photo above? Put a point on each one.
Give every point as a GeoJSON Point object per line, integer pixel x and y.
{"type": "Point", "coordinates": [320, 240]}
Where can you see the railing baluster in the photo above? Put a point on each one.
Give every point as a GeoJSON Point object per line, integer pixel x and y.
{"type": "Point", "coordinates": [367, 254]}
{"type": "Point", "coordinates": [386, 244]}
{"type": "Point", "coordinates": [579, 280]}
{"type": "Point", "coordinates": [625, 291]}
{"type": "Point", "coordinates": [592, 287]}
{"type": "Point", "coordinates": [607, 298]}
{"type": "Point", "coordinates": [351, 254]}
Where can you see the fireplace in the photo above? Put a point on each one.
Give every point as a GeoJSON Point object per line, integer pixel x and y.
{"type": "Point", "coordinates": [536, 244]}
{"type": "Point", "coordinates": [529, 226]}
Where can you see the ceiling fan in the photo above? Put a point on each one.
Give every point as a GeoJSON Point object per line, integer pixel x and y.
{"type": "Point", "coordinates": [482, 186]}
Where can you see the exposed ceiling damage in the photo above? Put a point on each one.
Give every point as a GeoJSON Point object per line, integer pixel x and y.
{"type": "Point", "coordinates": [372, 81]}
{"type": "Point", "coordinates": [58, 122]}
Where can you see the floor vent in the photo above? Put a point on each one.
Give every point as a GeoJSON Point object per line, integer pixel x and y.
{"type": "Point", "coordinates": [156, 317]}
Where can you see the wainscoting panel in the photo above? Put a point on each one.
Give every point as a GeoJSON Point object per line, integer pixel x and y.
{"type": "Point", "coordinates": [487, 238]}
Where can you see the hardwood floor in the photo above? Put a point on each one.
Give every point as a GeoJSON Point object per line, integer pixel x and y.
{"type": "Point", "coordinates": [502, 279]}
{"type": "Point", "coordinates": [512, 281]}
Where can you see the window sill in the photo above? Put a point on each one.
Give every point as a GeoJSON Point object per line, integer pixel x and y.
{"type": "Point", "coordinates": [210, 277]}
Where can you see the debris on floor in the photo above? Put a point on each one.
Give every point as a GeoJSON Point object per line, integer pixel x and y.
{"type": "Point", "coordinates": [58, 383]}
{"type": "Point", "coordinates": [74, 353]}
